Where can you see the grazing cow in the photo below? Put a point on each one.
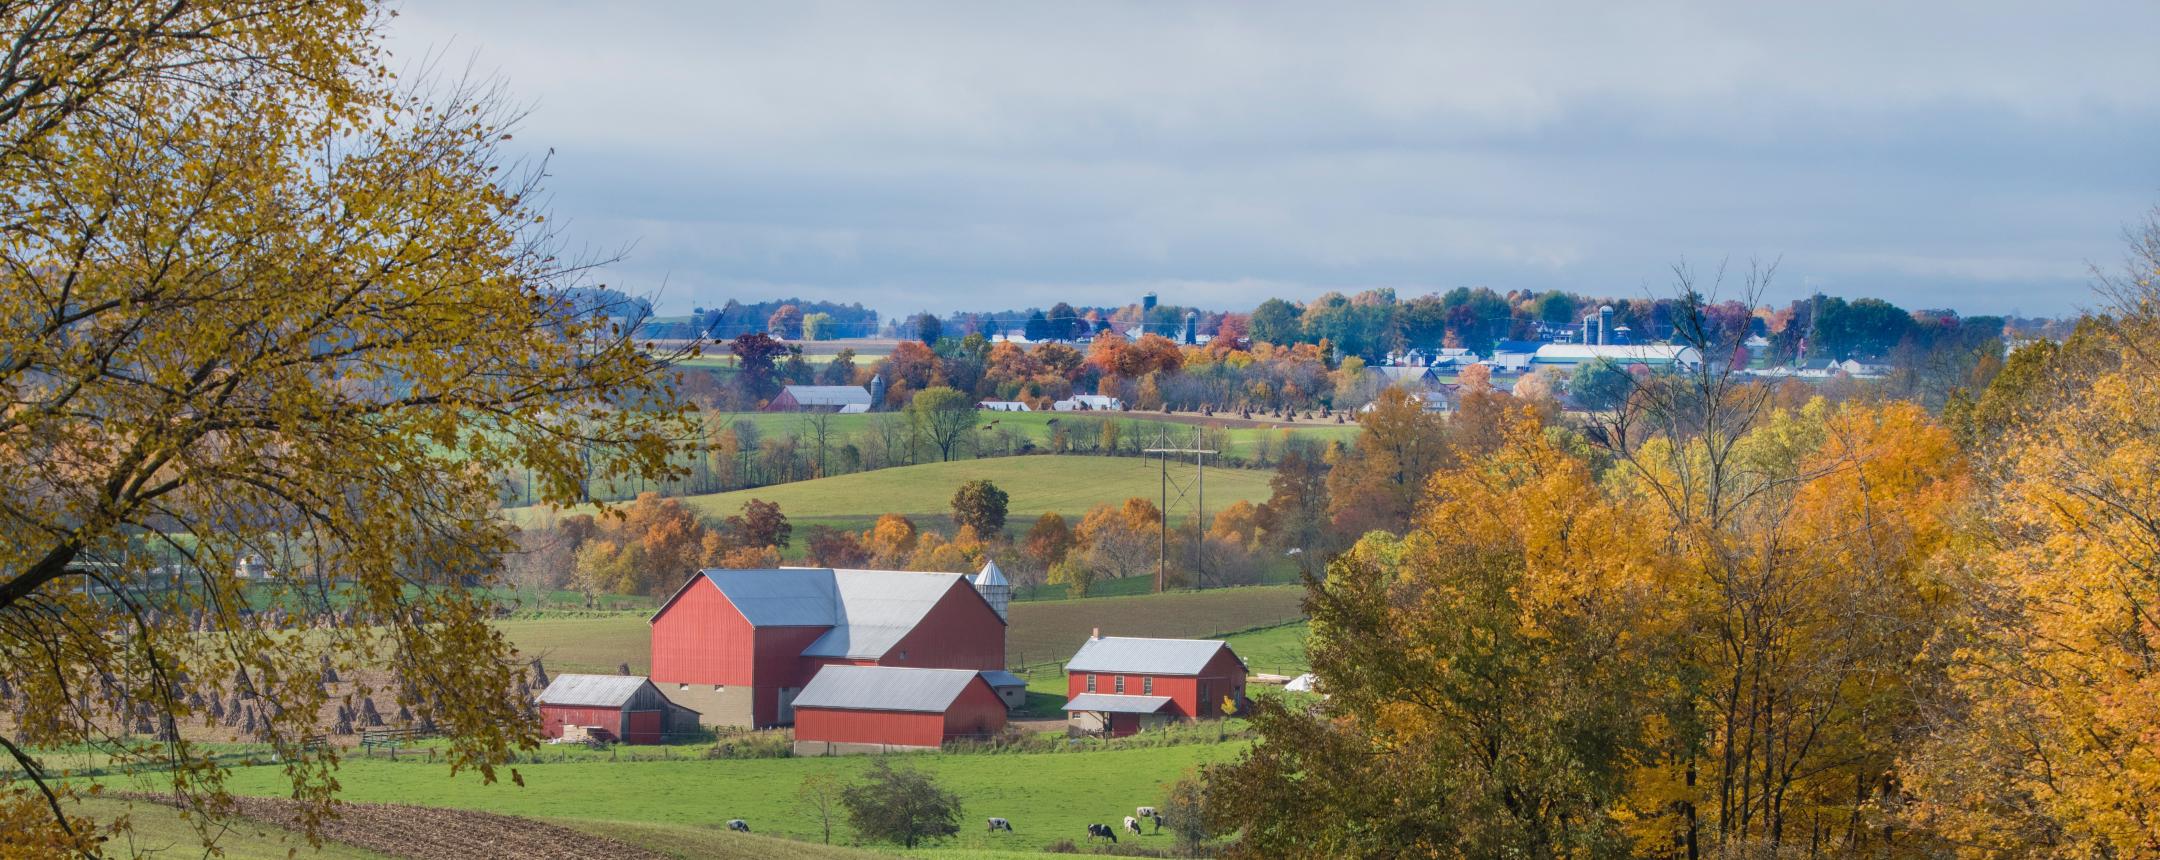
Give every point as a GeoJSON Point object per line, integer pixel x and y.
{"type": "Point", "coordinates": [997, 824]}
{"type": "Point", "coordinates": [1102, 831]}
{"type": "Point", "coordinates": [1132, 824]}
{"type": "Point", "coordinates": [1145, 812]}
{"type": "Point", "coordinates": [738, 825]}
{"type": "Point", "coordinates": [1157, 818]}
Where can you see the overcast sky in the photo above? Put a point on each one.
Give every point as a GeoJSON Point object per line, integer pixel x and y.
{"type": "Point", "coordinates": [990, 155]}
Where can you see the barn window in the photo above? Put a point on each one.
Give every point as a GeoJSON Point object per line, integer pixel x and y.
{"type": "Point", "coordinates": [1091, 682]}
{"type": "Point", "coordinates": [903, 655]}
{"type": "Point", "coordinates": [1121, 684]}
{"type": "Point", "coordinates": [1147, 685]}
{"type": "Point", "coordinates": [1207, 706]}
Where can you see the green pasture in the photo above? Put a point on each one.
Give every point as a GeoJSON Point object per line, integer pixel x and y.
{"type": "Point", "coordinates": [1275, 650]}
{"type": "Point", "coordinates": [1067, 484]}
{"type": "Point", "coordinates": [1047, 796]}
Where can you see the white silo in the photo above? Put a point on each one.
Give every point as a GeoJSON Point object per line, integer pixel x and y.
{"type": "Point", "coordinates": [994, 587]}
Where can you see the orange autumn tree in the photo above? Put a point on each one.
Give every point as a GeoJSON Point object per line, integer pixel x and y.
{"type": "Point", "coordinates": [2049, 743]}
{"type": "Point", "coordinates": [1489, 678]}
{"type": "Point", "coordinates": [262, 300]}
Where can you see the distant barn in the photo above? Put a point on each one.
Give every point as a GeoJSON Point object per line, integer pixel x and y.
{"type": "Point", "coordinates": [1120, 685]}
{"type": "Point", "coordinates": [622, 708]}
{"type": "Point", "coordinates": [820, 398]}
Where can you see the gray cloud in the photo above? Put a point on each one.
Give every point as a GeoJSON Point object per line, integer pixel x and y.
{"type": "Point", "coordinates": [952, 156]}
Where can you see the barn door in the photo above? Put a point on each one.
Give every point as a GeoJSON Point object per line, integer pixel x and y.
{"type": "Point", "coordinates": [787, 704]}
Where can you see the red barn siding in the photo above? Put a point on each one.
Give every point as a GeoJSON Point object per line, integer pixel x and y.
{"type": "Point", "coordinates": [554, 717]}
{"type": "Point", "coordinates": [960, 632]}
{"type": "Point", "coordinates": [977, 711]}
{"type": "Point", "coordinates": [699, 638]}
{"type": "Point", "coordinates": [897, 728]}
{"type": "Point", "coordinates": [778, 663]}
{"type": "Point", "coordinates": [1226, 677]}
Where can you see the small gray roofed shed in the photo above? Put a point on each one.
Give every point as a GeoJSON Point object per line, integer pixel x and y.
{"type": "Point", "coordinates": [885, 688]}
{"type": "Point", "coordinates": [1000, 678]}
{"type": "Point", "coordinates": [598, 691]}
{"type": "Point", "coordinates": [1145, 656]}
{"type": "Point", "coordinates": [1112, 704]}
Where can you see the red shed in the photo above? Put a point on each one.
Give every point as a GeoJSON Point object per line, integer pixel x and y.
{"type": "Point", "coordinates": [1184, 679]}
{"type": "Point", "coordinates": [626, 708]}
{"type": "Point", "coordinates": [872, 709]}
{"type": "Point", "coordinates": [740, 645]}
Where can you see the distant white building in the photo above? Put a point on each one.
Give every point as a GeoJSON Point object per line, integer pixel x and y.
{"type": "Point", "coordinates": [1003, 406]}
{"type": "Point", "coordinates": [1089, 403]}
{"type": "Point", "coordinates": [1657, 355]}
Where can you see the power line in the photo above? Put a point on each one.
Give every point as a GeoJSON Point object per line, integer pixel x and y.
{"type": "Point", "coordinates": [1198, 488]}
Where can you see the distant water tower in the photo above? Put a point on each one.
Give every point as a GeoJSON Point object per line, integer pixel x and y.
{"type": "Point", "coordinates": [994, 587]}
{"type": "Point", "coordinates": [1147, 302]}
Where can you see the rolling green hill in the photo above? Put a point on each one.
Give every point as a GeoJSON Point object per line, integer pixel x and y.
{"type": "Point", "coordinates": [1067, 484]}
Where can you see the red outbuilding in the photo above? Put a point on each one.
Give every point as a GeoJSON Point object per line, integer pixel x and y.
{"type": "Point", "coordinates": [740, 645]}
{"type": "Point", "coordinates": [1119, 685]}
{"type": "Point", "coordinates": [624, 708]}
{"type": "Point", "coordinates": [875, 709]}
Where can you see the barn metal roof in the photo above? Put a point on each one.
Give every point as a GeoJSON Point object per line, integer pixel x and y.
{"type": "Point", "coordinates": [598, 691]}
{"type": "Point", "coordinates": [885, 688]}
{"type": "Point", "coordinates": [868, 610]}
{"type": "Point", "coordinates": [999, 678]}
{"type": "Point", "coordinates": [1109, 704]}
{"type": "Point", "coordinates": [829, 395]}
{"type": "Point", "coordinates": [1155, 656]}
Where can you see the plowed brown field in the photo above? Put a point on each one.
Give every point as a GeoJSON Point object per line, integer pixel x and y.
{"type": "Point", "coordinates": [427, 833]}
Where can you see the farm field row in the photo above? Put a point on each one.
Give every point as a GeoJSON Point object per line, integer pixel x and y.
{"type": "Point", "coordinates": [1047, 796]}
{"type": "Point", "coordinates": [1040, 632]}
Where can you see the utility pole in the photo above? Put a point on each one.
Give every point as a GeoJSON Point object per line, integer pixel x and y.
{"type": "Point", "coordinates": [1198, 488]}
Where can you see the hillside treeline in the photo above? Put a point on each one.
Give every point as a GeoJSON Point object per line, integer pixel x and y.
{"type": "Point", "coordinates": [1728, 622]}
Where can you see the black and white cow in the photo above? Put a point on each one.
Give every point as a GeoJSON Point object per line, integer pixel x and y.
{"type": "Point", "coordinates": [997, 824]}
{"type": "Point", "coordinates": [1132, 825]}
{"type": "Point", "coordinates": [738, 825]}
{"type": "Point", "coordinates": [1101, 831]}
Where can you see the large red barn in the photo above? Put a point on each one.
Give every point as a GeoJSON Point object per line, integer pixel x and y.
{"type": "Point", "coordinates": [739, 645]}
{"type": "Point", "coordinates": [1116, 685]}
{"type": "Point", "coordinates": [875, 709]}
